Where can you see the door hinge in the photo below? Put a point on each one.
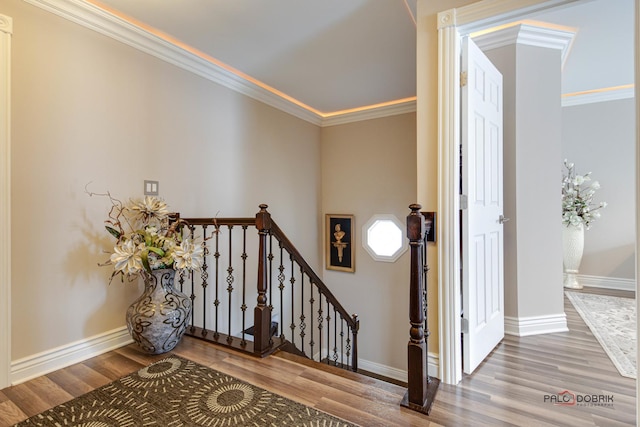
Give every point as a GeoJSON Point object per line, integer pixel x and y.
{"type": "Point", "coordinates": [463, 202]}
{"type": "Point", "coordinates": [463, 78]}
{"type": "Point", "coordinates": [464, 325]}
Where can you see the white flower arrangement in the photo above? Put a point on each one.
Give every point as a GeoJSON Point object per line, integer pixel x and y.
{"type": "Point", "coordinates": [577, 198]}
{"type": "Point", "coordinates": [147, 239]}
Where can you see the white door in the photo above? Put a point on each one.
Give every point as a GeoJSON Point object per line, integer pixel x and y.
{"type": "Point", "coordinates": [482, 220]}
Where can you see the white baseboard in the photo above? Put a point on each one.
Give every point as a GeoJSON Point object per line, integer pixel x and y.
{"type": "Point", "coordinates": [607, 282]}
{"type": "Point", "coordinates": [535, 325]}
{"type": "Point", "coordinates": [433, 361]}
{"type": "Point", "coordinates": [48, 361]}
{"type": "Point", "coordinates": [398, 374]}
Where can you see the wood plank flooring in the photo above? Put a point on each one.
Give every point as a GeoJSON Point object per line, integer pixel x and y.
{"type": "Point", "coordinates": [508, 389]}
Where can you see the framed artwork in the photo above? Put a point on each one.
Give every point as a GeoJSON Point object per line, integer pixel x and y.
{"type": "Point", "coordinates": [339, 243]}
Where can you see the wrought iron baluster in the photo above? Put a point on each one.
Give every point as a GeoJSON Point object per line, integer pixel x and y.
{"type": "Point", "coordinates": [335, 337]}
{"type": "Point", "coordinates": [270, 258]}
{"type": "Point", "coordinates": [204, 274]}
{"type": "Point", "coordinates": [243, 307]}
{"type": "Point", "coordinates": [193, 286]}
{"type": "Point", "coordinates": [303, 325]}
{"type": "Point", "coordinates": [328, 331]}
{"type": "Point", "coordinates": [354, 349]}
{"type": "Point", "coordinates": [216, 303]}
{"type": "Point", "coordinates": [281, 278]}
{"type": "Point", "coordinates": [311, 301]}
{"type": "Point", "coordinates": [293, 321]}
{"type": "Point", "coordinates": [320, 319]}
{"type": "Point", "coordinates": [341, 342]}
{"type": "Point", "coordinates": [230, 283]}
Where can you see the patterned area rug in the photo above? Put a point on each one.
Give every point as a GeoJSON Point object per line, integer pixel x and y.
{"type": "Point", "coordinates": [613, 322]}
{"type": "Point", "coordinates": [179, 392]}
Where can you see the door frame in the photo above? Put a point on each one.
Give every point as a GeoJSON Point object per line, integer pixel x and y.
{"type": "Point", "coordinates": [6, 29]}
{"type": "Point", "coordinates": [452, 25]}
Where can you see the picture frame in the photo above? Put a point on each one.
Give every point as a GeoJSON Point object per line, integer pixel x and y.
{"type": "Point", "coordinates": [340, 243]}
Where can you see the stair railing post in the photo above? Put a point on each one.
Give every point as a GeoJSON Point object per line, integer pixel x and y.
{"type": "Point", "coordinates": [262, 312]}
{"type": "Point", "coordinates": [421, 389]}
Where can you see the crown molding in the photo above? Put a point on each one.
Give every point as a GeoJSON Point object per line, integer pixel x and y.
{"type": "Point", "coordinates": [569, 100]}
{"type": "Point", "coordinates": [94, 18]}
{"type": "Point", "coordinates": [374, 113]}
{"type": "Point", "coordinates": [528, 34]}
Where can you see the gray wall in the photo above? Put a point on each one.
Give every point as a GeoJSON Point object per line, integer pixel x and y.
{"type": "Point", "coordinates": [532, 133]}
{"type": "Point", "coordinates": [600, 138]}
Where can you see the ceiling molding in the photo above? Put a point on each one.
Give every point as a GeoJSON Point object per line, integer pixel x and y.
{"type": "Point", "coordinates": [528, 34]}
{"type": "Point", "coordinates": [94, 18]}
{"type": "Point", "coordinates": [373, 113]}
{"type": "Point", "coordinates": [601, 95]}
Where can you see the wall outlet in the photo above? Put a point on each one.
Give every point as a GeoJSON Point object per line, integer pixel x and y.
{"type": "Point", "coordinates": [151, 188]}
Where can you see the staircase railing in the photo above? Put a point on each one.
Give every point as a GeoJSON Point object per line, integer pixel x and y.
{"type": "Point", "coordinates": [263, 269]}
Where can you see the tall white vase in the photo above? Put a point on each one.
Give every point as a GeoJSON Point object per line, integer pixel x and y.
{"type": "Point", "coordinates": [572, 247]}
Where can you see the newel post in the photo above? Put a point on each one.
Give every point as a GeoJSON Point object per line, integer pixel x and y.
{"type": "Point", "coordinates": [262, 312]}
{"type": "Point", "coordinates": [421, 387]}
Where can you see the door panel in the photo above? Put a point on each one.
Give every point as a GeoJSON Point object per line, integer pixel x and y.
{"type": "Point", "coordinates": [482, 231]}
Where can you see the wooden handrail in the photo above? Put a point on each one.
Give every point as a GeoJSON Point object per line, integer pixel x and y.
{"type": "Point", "coordinates": [263, 344]}
{"type": "Point", "coordinates": [297, 257]}
{"type": "Point", "coordinates": [352, 321]}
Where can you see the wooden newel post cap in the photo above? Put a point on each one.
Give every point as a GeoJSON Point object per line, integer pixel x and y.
{"type": "Point", "coordinates": [415, 223]}
{"type": "Point", "coordinates": [263, 218]}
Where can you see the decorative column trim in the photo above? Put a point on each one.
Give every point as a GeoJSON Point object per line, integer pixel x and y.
{"type": "Point", "coordinates": [530, 35]}
{"type": "Point", "coordinates": [448, 200]}
{"type": "Point", "coordinates": [6, 29]}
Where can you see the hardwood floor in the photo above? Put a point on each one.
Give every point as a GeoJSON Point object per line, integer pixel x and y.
{"type": "Point", "coordinates": [508, 389]}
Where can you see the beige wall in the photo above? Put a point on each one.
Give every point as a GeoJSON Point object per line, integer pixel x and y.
{"type": "Point", "coordinates": [369, 168]}
{"type": "Point", "coordinates": [88, 109]}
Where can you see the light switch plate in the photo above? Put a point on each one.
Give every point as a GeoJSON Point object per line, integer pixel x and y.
{"type": "Point", "coordinates": [151, 188]}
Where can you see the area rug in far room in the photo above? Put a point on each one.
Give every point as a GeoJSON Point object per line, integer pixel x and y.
{"type": "Point", "coordinates": [178, 392]}
{"type": "Point", "coordinates": [612, 321]}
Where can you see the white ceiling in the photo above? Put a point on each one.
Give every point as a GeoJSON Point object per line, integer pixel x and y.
{"type": "Point", "coordinates": [335, 55]}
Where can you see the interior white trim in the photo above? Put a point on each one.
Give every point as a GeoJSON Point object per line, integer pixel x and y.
{"type": "Point", "coordinates": [612, 94]}
{"type": "Point", "coordinates": [448, 233]}
{"type": "Point", "coordinates": [395, 373]}
{"type": "Point", "coordinates": [530, 35]}
{"type": "Point", "coordinates": [6, 29]}
{"type": "Point", "coordinates": [452, 24]}
{"type": "Point", "coordinates": [51, 360]}
{"type": "Point", "coordinates": [607, 282]}
{"type": "Point", "coordinates": [374, 113]}
{"type": "Point", "coordinates": [535, 325]}
{"type": "Point", "coordinates": [94, 18]}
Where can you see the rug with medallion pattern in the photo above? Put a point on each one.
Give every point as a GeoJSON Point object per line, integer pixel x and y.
{"type": "Point", "coordinates": [178, 392]}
